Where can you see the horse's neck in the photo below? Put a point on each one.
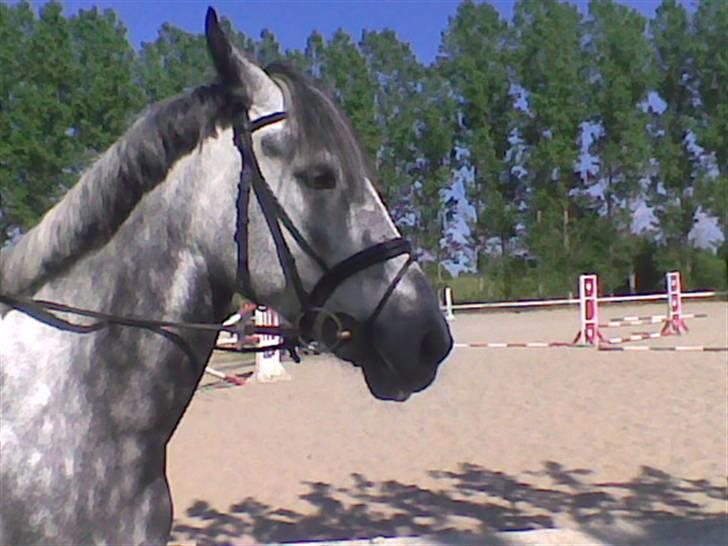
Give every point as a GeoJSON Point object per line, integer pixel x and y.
{"type": "Point", "coordinates": [151, 268]}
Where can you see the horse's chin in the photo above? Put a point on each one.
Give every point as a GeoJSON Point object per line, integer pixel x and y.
{"type": "Point", "coordinates": [386, 383]}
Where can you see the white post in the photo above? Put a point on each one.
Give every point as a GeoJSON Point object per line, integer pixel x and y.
{"type": "Point", "coordinates": [268, 367]}
{"type": "Point", "coordinates": [589, 310]}
{"type": "Point", "coordinates": [449, 315]}
{"type": "Point", "coordinates": [675, 323]}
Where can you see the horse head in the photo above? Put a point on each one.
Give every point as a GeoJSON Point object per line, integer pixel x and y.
{"type": "Point", "coordinates": [314, 240]}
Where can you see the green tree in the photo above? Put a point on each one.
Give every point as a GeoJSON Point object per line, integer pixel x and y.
{"type": "Point", "coordinates": [434, 170]}
{"type": "Point", "coordinates": [297, 59]}
{"type": "Point", "coordinates": [17, 23]}
{"type": "Point", "coordinates": [710, 46]}
{"type": "Point", "coordinates": [175, 61]}
{"type": "Point", "coordinates": [107, 96]}
{"type": "Point", "coordinates": [345, 70]}
{"type": "Point", "coordinates": [38, 116]}
{"type": "Point", "coordinates": [474, 57]}
{"type": "Point", "coordinates": [550, 69]}
{"type": "Point", "coordinates": [315, 55]}
{"type": "Point", "coordinates": [673, 194]}
{"type": "Point", "coordinates": [620, 76]}
{"type": "Point", "coordinates": [394, 67]}
{"type": "Point", "coordinates": [415, 112]}
{"type": "Point", "coordinates": [268, 50]}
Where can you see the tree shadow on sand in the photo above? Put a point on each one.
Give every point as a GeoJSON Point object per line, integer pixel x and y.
{"type": "Point", "coordinates": [470, 504]}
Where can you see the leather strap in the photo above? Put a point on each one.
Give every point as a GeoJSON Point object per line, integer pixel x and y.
{"type": "Point", "coordinates": [354, 264]}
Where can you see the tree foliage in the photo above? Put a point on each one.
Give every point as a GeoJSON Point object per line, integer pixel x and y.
{"type": "Point", "coordinates": [674, 181]}
{"type": "Point", "coordinates": [38, 144]}
{"type": "Point", "coordinates": [711, 65]}
{"type": "Point", "coordinates": [474, 58]}
{"type": "Point", "coordinates": [554, 128]}
{"type": "Point", "coordinates": [549, 69]}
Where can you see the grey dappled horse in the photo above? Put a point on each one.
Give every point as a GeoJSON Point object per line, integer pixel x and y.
{"type": "Point", "coordinates": [153, 230]}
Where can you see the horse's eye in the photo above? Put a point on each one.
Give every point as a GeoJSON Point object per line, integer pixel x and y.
{"type": "Point", "coordinates": [320, 177]}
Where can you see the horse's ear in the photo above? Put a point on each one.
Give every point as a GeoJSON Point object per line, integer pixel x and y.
{"type": "Point", "coordinates": [220, 49]}
{"type": "Point", "coordinates": [242, 76]}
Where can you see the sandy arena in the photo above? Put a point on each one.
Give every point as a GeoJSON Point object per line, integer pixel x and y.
{"type": "Point", "coordinates": [618, 447]}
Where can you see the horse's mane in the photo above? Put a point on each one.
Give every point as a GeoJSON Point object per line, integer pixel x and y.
{"type": "Point", "coordinates": [90, 213]}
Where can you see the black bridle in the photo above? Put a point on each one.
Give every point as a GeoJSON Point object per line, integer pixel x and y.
{"type": "Point", "coordinates": [340, 329]}
{"type": "Point", "coordinates": [313, 304]}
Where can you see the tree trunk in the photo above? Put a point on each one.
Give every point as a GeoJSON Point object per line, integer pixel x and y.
{"type": "Point", "coordinates": [505, 257]}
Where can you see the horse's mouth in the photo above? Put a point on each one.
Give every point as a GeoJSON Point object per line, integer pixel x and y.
{"type": "Point", "coordinates": [394, 371]}
{"type": "Point", "coordinates": [386, 382]}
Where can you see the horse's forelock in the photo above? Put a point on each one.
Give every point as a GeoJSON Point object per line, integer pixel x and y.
{"type": "Point", "coordinates": [320, 124]}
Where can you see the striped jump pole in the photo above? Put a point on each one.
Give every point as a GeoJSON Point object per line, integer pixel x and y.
{"type": "Point", "coordinates": [268, 366]}
{"type": "Point", "coordinates": [684, 348]}
{"type": "Point", "coordinates": [224, 376]}
{"type": "Point", "coordinates": [633, 337]}
{"type": "Point", "coordinates": [651, 319]}
{"type": "Point", "coordinates": [524, 345]}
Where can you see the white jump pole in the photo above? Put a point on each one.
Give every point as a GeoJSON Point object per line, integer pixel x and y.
{"type": "Point", "coordinates": [268, 367]}
{"type": "Point", "coordinates": [449, 315]}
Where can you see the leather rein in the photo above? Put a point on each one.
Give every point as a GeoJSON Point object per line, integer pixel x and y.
{"type": "Point", "coordinates": [313, 313]}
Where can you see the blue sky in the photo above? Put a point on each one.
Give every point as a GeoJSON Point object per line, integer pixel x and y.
{"type": "Point", "coordinates": [419, 22]}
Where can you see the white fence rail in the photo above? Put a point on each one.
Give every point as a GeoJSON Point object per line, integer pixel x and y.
{"type": "Point", "coordinates": [575, 301]}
